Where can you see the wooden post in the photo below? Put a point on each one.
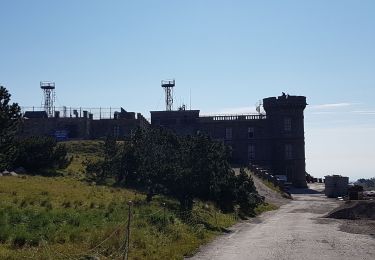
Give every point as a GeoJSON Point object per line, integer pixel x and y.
{"type": "Point", "coordinates": [127, 241]}
{"type": "Point", "coordinates": [164, 219]}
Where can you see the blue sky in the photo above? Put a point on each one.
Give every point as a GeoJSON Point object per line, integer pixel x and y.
{"type": "Point", "coordinates": [228, 54]}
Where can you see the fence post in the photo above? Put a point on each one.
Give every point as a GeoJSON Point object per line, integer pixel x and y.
{"type": "Point", "coordinates": [127, 241]}
{"type": "Point", "coordinates": [164, 219]}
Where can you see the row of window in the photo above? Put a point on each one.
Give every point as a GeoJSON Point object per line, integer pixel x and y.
{"type": "Point", "coordinates": [251, 130]}
{"type": "Point", "coordinates": [229, 133]}
{"type": "Point", "coordinates": [288, 152]}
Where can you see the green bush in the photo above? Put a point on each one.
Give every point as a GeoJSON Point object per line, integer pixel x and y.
{"type": "Point", "coordinates": [21, 238]}
{"type": "Point", "coordinates": [41, 153]}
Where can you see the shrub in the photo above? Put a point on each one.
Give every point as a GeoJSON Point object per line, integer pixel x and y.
{"type": "Point", "coordinates": [23, 203]}
{"type": "Point", "coordinates": [41, 153]}
{"type": "Point", "coordinates": [67, 204]}
{"type": "Point", "coordinates": [20, 239]}
{"type": "Point", "coordinates": [47, 204]}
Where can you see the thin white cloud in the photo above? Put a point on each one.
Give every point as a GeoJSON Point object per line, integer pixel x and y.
{"type": "Point", "coordinates": [332, 105]}
{"type": "Point", "coordinates": [324, 113]}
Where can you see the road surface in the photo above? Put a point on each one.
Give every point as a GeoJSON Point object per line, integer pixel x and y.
{"type": "Point", "coordinates": [295, 231]}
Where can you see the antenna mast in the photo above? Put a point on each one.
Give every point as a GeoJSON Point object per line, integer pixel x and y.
{"type": "Point", "coordinates": [168, 86]}
{"type": "Point", "coordinates": [48, 96]}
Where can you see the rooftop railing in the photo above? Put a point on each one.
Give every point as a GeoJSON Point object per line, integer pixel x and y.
{"type": "Point", "coordinates": [232, 117]}
{"type": "Point", "coordinates": [65, 112]}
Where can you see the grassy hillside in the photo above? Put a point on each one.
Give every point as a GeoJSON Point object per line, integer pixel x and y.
{"type": "Point", "coordinates": [62, 218]}
{"type": "Point", "coordinates": [80, 151]}
{"type": "Point", "coordinates": [67, 218]}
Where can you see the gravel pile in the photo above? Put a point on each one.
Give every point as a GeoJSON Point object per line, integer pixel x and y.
{"type": "Point", "coordinates": [354, 210]}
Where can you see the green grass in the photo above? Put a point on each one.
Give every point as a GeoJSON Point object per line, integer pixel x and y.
{"type": "Point", "coordinates": [265, 207]}
{"type": "Point", "coordinates": [80, 151]}
{"type": "Point", "coordinates": [48, 218]}
{"type": "Point", "coordinates": [66, 218]}
{"type": "Point", "coordinates": [272, 186]}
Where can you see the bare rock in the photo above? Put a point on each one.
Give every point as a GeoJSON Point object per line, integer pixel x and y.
{"type": "Point", "coordinates": [13, 174]}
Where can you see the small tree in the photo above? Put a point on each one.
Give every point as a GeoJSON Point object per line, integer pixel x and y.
{"type": "Point", "coordinates": [39, 154]}
{"type": "Point", "coordinates": [247, 195]}
{"type": "Point", "coordinates": [10, 115]}
{"type": "Point", "coordinates": [110, 166]}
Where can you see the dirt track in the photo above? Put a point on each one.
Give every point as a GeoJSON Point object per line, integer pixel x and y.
{"type": "Point", "coordinates": [295, 231]}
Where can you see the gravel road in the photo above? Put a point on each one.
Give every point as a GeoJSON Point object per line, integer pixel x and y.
{"type": "Point", "coordinates": [295, 231]}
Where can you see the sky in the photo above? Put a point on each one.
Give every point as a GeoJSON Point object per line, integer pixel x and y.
{"type": "Point", "coordinates": [224, 55]}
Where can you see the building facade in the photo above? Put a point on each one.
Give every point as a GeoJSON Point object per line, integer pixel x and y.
{"type": "Point", "coordinates": [37, 123]}
{"type": "Point", "coordinates": [274, 141]}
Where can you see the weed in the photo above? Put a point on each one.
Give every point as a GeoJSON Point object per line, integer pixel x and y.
{"type": "Point", "coordinates": [20, 239]}
{"type": "Point", "coordinates": [264, 207]}
{"type": "Point", "coordinates": [23, 203]}
{"type": "Point", "coordinates": [47, 204]}
{"type": "Point", "coordinates": [67, 204]}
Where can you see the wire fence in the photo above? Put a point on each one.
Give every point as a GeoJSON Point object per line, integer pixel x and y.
{"type": "Point", "coordinates": [65, 111]}
{"type": "Point", "coordinates": [117, 244]}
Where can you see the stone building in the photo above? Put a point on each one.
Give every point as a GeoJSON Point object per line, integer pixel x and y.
{"type": "Point", "coordinates": [275, 140]}
{"type": "Point", "coordinates": [36, 123]}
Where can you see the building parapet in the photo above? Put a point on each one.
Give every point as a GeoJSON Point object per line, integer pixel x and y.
{"type": "Point", "coordinates": [232, 117]}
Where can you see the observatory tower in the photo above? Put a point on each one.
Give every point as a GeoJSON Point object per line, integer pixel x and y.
{"type": "Point", "coordinates": [168, 86]}
{"type": "Point", "coordinates": [48, 97]}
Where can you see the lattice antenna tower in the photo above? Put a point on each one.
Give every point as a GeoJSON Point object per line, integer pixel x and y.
{"type": "Point", "coordinates": [168, 86]}
{"type": "Point", "coordinates": [48, 96]}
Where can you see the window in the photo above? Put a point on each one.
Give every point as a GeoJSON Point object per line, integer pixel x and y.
{"type": "Point", "coordinates": [116, 131]}
{"type": "Point", "coordinates": [228, 133]}
{"type": "Point", "coordinates": [287, 124]}
{"type": "Point", "coordinates": [250, 132]}
{"type": "Point", "coordinates": [251, 151]}
{"type": "Point", "coordinates": [288, 151]}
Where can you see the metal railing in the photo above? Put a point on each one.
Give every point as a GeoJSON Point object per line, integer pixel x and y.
{"type": "Point", "coordinates": [65, 111]}
{"type": "Point", "coordinates": [232, 117]}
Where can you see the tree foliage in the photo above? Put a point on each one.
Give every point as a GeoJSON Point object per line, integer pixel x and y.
{"type": "Point", "coordinates": [10, 115]}
{"type": "Point", "coordinates": [185, 167]}
{"type": "Point", "coordinates": [109, 166]}
{"type": "Point", "coordinates": [32, 153]}
{"type": "Point", "coordinates": [367, 184]}
{"type": "Point", "coordinates": [39, 153]}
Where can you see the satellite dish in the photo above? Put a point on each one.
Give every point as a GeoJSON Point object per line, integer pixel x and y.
{"type": "Point", "coordinates": [258, 107]}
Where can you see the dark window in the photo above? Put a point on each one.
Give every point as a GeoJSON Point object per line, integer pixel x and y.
{"type": "Point", "coordinates": [251, 151]}
{"type": "Point", "coordinates": [250, 132]}
{"type": "Point", "coordinates": [228, 133]}
{"type": "Point", "coordinates": [116, 131]}
{"type": "Point", "coordinates": [287, 124]}
{"type": "Point", "coordinates": [288, 151]}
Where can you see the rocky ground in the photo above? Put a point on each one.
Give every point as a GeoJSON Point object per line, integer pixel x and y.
{"type": "Point", "coordinates": [270, 195]}
{"type": "Point", "coordinates": [298, 230]}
